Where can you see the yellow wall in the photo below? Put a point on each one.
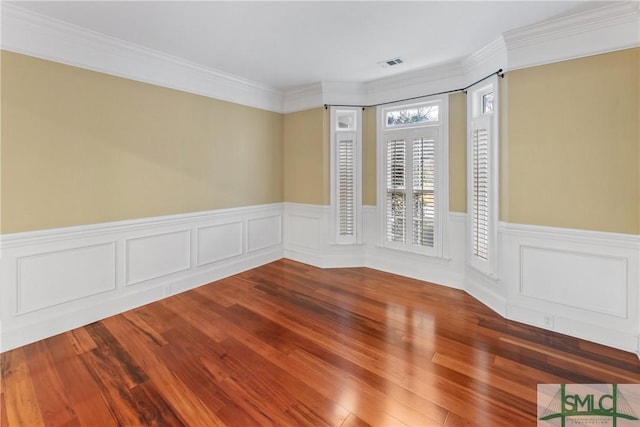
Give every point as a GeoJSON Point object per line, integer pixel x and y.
{"type": "Point", "coordinates": [369, 143]}
{"type": "Point", "coordinates": [573, 156]}
{"type": "Point", "coordinates": [80, 147]}
{"type": "Point", "coordinates": [458, 152]}
{"type": "Point", "coordinates": [503, 139]}
{"type": "Point", "coordinates": [306, 157]}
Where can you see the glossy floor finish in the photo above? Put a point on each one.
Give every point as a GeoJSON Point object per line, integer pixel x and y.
{"type": "Point", "coordinates": [289, 344]}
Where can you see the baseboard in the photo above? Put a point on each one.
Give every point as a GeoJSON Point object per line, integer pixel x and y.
{"type": "Point", "coordinates": [486, 290]}
{"type": "Point", "coordinates": [577, 282]}
{"type": "Point", "coordinates": [57, 280]}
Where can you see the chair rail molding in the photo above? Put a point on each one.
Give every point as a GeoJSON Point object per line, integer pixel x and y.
{"type": "Point", "coordinates": [59, 279]}
{"type": "Point", "coordinates": [578, 282]}
{"type": "Point", "coordinates": [32, 34]}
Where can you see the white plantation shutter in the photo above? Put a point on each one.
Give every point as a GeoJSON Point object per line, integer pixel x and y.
{"type": "Point", "coordinates": [482, 177]}
{"type": "Point", "coordinates": [410, 190]}
{"type": "Point", "coordinates": [396, 191]}
{"type": "Point", "coordinates": [346, 204]}
{"type": "Point", "coordinates": [423, 177]}
{"type": "Point", "coordinates": [412, 150]}
{"type": "Point", "coordinates": [346, 187]}
{"type": "Point", "coordinates": [480, 194]}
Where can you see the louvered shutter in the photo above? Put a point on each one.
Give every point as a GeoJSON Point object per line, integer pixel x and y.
{"type": "Point", "coordinates": [412, 175]}
{"type": "Point", "coordinates": [396, 190]}
{"type": "Point", "coordinates": [482, 177]}
{"type": "Point", "coordinates": [480, 194]}
{"type": "Point", "coordinates": [424, 178]}
{"type": "Point", "coordinates": [346, 187]}
{"type": "Point", "coordinates": [346, 166]}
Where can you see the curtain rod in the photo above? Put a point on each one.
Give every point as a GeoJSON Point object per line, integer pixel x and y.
{"type": "Point", "coordinates": [464, 89]}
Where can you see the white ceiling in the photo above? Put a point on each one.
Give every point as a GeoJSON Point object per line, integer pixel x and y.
{"type": "Point", "coordinates": [293, 43]}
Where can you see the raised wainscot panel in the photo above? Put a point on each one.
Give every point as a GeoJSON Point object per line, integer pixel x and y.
{"type": "Point", "coordinates": [586, 281]}
{"type": "Point", "coordinates": [159, 255]}
{"type": "Point", "coordinates": [53, 278]}
{"type": "Point", "coordinates": [264, 232]}
{"type": "Point", "coordinates": [303, 231]}
{"type": "Point", "coordinates": [218, 242]}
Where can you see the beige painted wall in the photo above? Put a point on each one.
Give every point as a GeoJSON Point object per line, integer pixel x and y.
{"type": "Point", "coordinates": [369, 143]}
{"type": "Point", "coordinates": [80, 147]}
{"type": "Point", "coordinates": [458, 152]}
{"type": "Point", "coordinates": [503, 151]}
{"type": "Point", "coordinates": [573, 155]}
{"type": "Point", "coordinates": [306, 157]}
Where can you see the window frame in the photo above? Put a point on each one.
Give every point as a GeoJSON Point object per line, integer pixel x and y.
{"type": "Point", "coordinates": [440, 130]}
{"type": "Point", "coordinates": [337, 135]}
{"type": "Point", "coordinates": [478, 119]}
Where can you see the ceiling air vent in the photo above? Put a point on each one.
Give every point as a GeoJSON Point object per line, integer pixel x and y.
{"type": "Point", "coordinates": [391, 62]}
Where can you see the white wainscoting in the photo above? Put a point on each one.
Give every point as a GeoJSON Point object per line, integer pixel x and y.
{"type": "Point", "coordinates": [577, 282]}
{"type": "Point", "coordinates": [580, 283]}
{"type": "Point", "coordinates": [307, 237]}
{"type": "Point", "coordinates": [65, 282]}
{"type": "Point", "coordinates": [157, 255]}
{"type": "Point", "coordinates": [56, 280]}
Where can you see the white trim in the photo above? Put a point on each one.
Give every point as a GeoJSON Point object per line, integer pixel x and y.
{"type": "Point", "coordinates": [441, 131]}
{"type": "Point", "coordinates": [578, 282]}
{"type": "Point", "coordinates": [344, 93]}
{"type": "Point", "coordinates": [485, 61]}
{"type": "Point", "coordinates": [303, 98]}
{"type": "Point", "coordinates": [44, 37]}
{"type": "Point", "coordinates": [417, 83]}
{"type": "Point", "coordinates": [335, 137]}
{"type": "Point", "coordinates": [306, 240]}
{"type": "Point", "coordinates": [609, 28]}
{"type": "Point", "coordinates": [588, 237]}
{"type": "Point", "coordinates": [175, 253]}
{"type": "Point", "coordinates": [606, 29]}
{"type": "Point", "coordinates": [476, 119]}
{"type": "Point", "coordinates": [611, 326]}
{"type": "Point", "coordinates": [487, 290]}
{"type": "Point", "coordinates": [44, 274]}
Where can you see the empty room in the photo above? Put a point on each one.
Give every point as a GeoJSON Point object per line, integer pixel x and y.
{"type": "Point", "coordinates": [320, 213]}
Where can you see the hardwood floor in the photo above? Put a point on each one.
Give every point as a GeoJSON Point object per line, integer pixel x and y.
{"type": "Point", "coordinates": [290, 344]}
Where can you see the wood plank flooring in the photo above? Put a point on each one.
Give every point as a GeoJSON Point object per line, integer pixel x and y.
{"type": "Point", "coordinates": [289, 344]}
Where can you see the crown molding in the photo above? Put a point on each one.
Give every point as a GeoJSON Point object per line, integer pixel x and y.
{"type": "Point", "coordinates": [613, 27]}
{"type": "Point", "coordinates": [303, 98]}
{"type": "Point", "coordinates": [344, 93]}
{"type": "Point", "coordinates": [324, 93]}
{"type": "Point", "coordinates": [43, 37]}
{"type": "Point", "coordinates": [424, 81]}
{"type": "Point", "coordinates": [605, 29]}
{"type": "Point", "coordinates": [485, 61]}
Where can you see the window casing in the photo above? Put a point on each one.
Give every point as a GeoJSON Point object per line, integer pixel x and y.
{"type": "Point", "coordinates": [346, 167]}
{"type": "Point", "coordinates": [412, 175]}
{"type": "Point", "coordinates": [482, 176]}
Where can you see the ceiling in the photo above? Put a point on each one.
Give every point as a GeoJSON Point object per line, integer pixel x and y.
{"type": "Point", "coordinates": [294, 43]}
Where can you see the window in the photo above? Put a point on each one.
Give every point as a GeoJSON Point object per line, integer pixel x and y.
{"type": "Point", "coordinates": [482, 176]}
{"type": "Point", "coordinates": [412, 171]}
{"type": "Point", "coordinates": [346, 202]}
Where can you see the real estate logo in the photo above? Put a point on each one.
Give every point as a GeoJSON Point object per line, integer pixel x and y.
{"type": "Point", "coordinates": [562, 405]}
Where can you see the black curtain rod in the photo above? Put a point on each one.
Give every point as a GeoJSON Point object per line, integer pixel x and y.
{"type": "Point", "coordinates": [464, 89]}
